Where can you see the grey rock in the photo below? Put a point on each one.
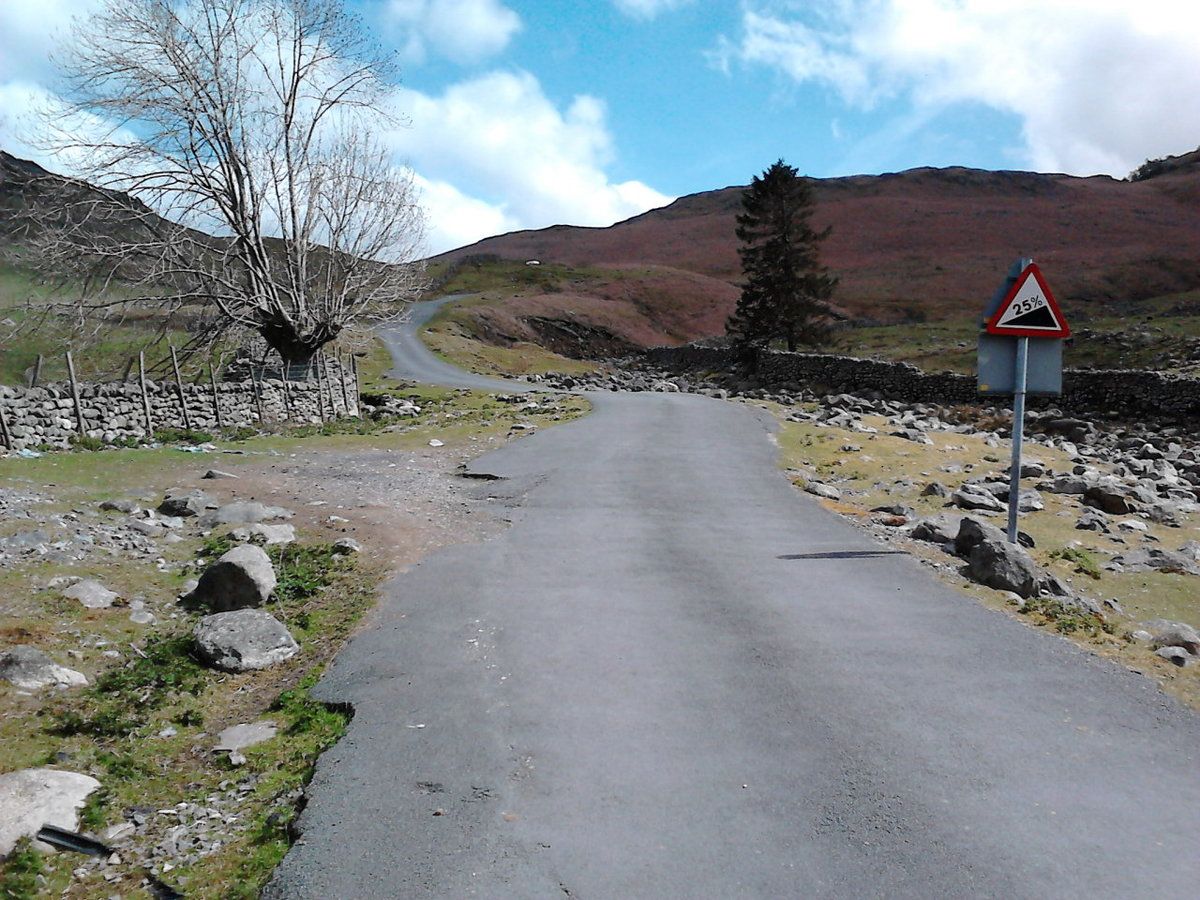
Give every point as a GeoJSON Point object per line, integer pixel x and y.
{"type": "Point", "coordinates": [148, 527]}
{"type": "Point", "coordinates": [1065, 484]}
{"type": "Point", "coordinates": [972, 531]}
{"type": "Point", "coordinates": [246, 512]}
{"type": "Point", "coordinates": [1146, 559]}
{"type": "Point", "coordinates": [1116, 498]}
{"type": "Point", "coordinates": [239, 737]}
{"type": "Point", "coordinates": [129, 507]}
{"type": "Point", "coordinates": [1092, 520]}
{"type": "Point", "coordinates": [971, 496]}
{"type": "Point", "coordinates": [30, 669]}
{"type": "Point", "coordinates": [91, 594]}
{"type": "Point", "coordinates": [1191, 550]}
{"type": "Point", "coordinates": [937, 530]}
{"type": "Point", "coordinates": [184, 502]}
{"type": "Point", "coordinates": [217, 473]}
{"type": "Point", "coordinates": [818, 489]}
{"type": "Point", "coordinates": [347, 545]}
{"type": "Point", "coordinates": [935, 489]}
{"type": "Point", "coordinates": [31, 798]}
{"type": "Point", "coordinates": [1176, 655]}
{"type": "Point", "coordinates": [243, 640]}
{"type": "Point", "coordinates": [1141, 635]}
{"type": "Point", "coordinates": [243, 577]}
{"type": "Point", "coordinates": [1165, 633]}
{"type": "Point", "coordinates": [1004, 566]}
{"type": "Point", "coordinates": [265, 534]}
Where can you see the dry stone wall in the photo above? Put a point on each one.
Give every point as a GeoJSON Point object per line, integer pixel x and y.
{"type": "Point", "coordinates": [113, 412]}
{"type": "Point", "coordinates": [1129, 393]}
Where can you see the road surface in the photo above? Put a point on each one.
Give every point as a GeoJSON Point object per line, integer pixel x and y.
{"type": "Point", "coordinates": [675, 676]}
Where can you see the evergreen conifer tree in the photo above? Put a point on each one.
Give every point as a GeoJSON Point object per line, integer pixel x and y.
{"type": "Point", "coordinates": [787, 290]}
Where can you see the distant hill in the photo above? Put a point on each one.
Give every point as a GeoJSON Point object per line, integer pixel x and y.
{"type": "Point", "coordinates": [924, 244]}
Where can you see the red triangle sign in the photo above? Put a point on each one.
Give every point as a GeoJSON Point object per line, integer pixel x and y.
{"type": "Point", "coordinates": [1029, 309]}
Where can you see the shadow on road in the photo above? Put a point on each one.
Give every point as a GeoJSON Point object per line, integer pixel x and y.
{"type": "Point", "coordinates": [842, 554]}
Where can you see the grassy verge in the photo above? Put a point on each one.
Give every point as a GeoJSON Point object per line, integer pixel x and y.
{"type": "Point", "coordinates": [886, 470]}
{"type": "Point", "coordinates": [146, 726]}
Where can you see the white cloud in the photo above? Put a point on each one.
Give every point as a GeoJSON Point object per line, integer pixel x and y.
{"type": "Point", "coordinates": [528, 163]}
{"type": "Point", "coordinates": [1098, 84]}
{"type": "Point", "coordinates": [648, 9]}
{"type": "Point", "coordinates": [465, 31]}
{"type": "Point", "coordinates": [29, 31]}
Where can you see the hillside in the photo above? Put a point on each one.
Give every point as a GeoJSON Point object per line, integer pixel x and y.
{"type": "Point", "coordinates": [920, 245]}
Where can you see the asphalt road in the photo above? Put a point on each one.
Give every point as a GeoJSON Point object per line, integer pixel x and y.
{"type": "Point", "coordinates": [412, 360]}
{"type": "Point", "coordinates": [676, 676]}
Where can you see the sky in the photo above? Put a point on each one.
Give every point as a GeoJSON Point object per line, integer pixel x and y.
{"type": "Point", "coordinates": [529, 113]}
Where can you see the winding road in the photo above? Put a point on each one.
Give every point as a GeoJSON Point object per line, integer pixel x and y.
{"type": "Point", "coordinates": [674, 676]}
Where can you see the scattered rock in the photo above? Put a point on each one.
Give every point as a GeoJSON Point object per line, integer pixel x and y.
{"type": "Point", "coordinates": [935, 489]}
{"type": "Point", "coordinates": [972, 531]}
{"type": "Point", "coordinates": [1164, 633]}
{"type": "Point", "coordinates": [243, 577]}
{"type": "Point", "coordinates": [243, 640]}
{"type": "Point", "coordinates": [185, 502]}
{"type": "Point", "coordinates": [1116, 498]}
{"type": "Point", "coordinates": [1092, 520]}
{"type": "Point", "coordinates": [239, 737]}
{"type": "Point", "coordinates": [818, 489]}
{"type": "Point", "coordinates": [91, 594]}
{"type": "Point", "coordinates": [129, 507]}
{"type": "Point", "coordinates": [31, 798]}
{"type": "Point", "coordinates": [246, 512]}
{"type": "Point", "coordinates": [347, 545]}
{"type": "Point", "coordinates": [266, 534]}
{"type": "Point", "coordinates": [217, 473]}
{"type": "Point", "coordinates": [1175, 655]}
{"type": "Point", "coordinates": [30, 669]}
{"type": "Point", "coordinates": [1145, 559]}
{"type": "Point", "coordinates": [971, 496]}
{"type": "Point", "coordinates": [937, 530]}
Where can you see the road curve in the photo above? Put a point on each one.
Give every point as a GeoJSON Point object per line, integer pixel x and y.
{"type": "Point", "coordinates": [413, 361]}
{"type": "Point", "coordinates": [675, 676]}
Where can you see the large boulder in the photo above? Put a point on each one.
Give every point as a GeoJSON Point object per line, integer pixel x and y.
{"type": "Point", "coordinates": [32, 798]}
{"type": "Point", "coordinates": [1146, 559]}
{"type": "Point", "coordinates": [973, 496]}
{"type": "Point", "coordinates": [29, 669]}
{"type": "Point", "coordinates": [184, 502]}
{"type": "Point", "coordinates": [972, 531]}
{"type": "Point", "coordinates": [243, 577]}
{"type": "Point", "coordinates": [1005, 567]}
{"type": "Point", "coordinates": [243, 640]}
{"type": "Point", "coordinates": [1164, 633]}
{"type": "Point", "coordinates": [270, 535]}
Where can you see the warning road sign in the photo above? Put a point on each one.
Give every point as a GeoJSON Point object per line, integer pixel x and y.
{"type": "Point", "coordinates": [1029, 310]}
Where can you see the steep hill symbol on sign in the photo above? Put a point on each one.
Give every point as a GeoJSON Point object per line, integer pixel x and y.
{"type": "Point", "coordinates": [1029, 310]}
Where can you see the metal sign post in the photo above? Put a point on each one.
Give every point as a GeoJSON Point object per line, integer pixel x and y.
{"type": "Point", "coordinates": [1023, 308]}
{"type": "Point", "coordinates": [1018, 436]}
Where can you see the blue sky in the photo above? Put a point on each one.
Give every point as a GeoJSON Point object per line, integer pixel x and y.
{"type": "Point", "coordinates": [527, 113]}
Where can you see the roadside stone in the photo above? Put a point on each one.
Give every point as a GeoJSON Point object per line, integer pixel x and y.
{"type": "Point", "coordinates": [1165, 633]}
{"type": "Point", "coordinates": [972, 531]}
{"type": "Point", "coordinates": [30, 669]}
{"type": "Point", "coordinates": [31, 798]}
{"type": "Point", "coordinates": [1145, 559]}
{"type": "Point", "coordinates": [245, 512]}
{"type": "Point", "coordinates": [1004, 566]}
{"type": "Point", "coordinates": [243, 577]}
{"type": "Point", "coordinates": [936, 530]}
{"type": "Point", "coordinates": [239, 737]}
{"type": "Point", "coordinates": [1092, 520]}
{"type": "Point", "coordinates": [347, 545]}
{"type": "Point", "coordinates": [243, 640]}
{"type": "Point", "coordinates": [185, 502]}
{"type": "Point", "coordinates": [971, 496]}
{"type": "Point", "coordinates": [92, 594]}
{"type": "Point", "coordinates": [818, 489]}
{"type": "Point", "coordinates": [1175, 655]}
{"type": "Point", "coordinates": [269, 534]}
{"type": "Point", "coordinates": [217, 473]}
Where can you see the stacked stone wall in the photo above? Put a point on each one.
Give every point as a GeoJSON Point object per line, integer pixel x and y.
{"type": "Point", "coordinates": [1128, 392]}
{"type": "Point", "coordinates": [113, 412]}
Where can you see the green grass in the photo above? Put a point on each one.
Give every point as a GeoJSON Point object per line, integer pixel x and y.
{"type": "Point", "coordinates": [1084, 562]}
{"type": "Point", "coordinates": [18, 877]}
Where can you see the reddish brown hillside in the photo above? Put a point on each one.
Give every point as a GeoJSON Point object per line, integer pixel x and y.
{"type": "Point", "coordinates": [927, 241]}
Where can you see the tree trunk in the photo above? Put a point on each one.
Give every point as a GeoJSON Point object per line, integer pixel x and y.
{"type": "Point", "coordinates": [296, 349]}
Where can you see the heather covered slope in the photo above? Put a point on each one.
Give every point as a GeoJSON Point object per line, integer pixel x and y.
{"type": "Point", "coordinates": [925, 243]}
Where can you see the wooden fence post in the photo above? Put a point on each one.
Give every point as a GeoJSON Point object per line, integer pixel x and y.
{"type": "Point", "coordinates": [37, 371]}
{"type": "Point", "coordinates": [187, 419]}
{"type": "Point", "coordinates": [75, 394]}
{"type": "Point", "coordinates": [145, 395]}
{"type": "Point", "coordinates": [287, 394]}
{"type": "Point", "coordinates": [212, 377]}
{"type": "Point", "coordinates": [128, 369]}
{"type": "Point", "coordinates": [256, 386]}
{"type": "Point", "coordinates": [321, 390]}
{"type": "Point", "coordinates": [4, 432]}
{"type": "Point", "coordinates": [342, 382]}
{"type": "Point", "coordinates": [357, 388]}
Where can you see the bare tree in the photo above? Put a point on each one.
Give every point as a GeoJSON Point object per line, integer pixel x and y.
{"type": "Point", "coordinates": [234, 147]}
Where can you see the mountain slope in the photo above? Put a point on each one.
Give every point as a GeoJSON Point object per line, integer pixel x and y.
{"type": "Point", "coordinates": [925, 243]}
